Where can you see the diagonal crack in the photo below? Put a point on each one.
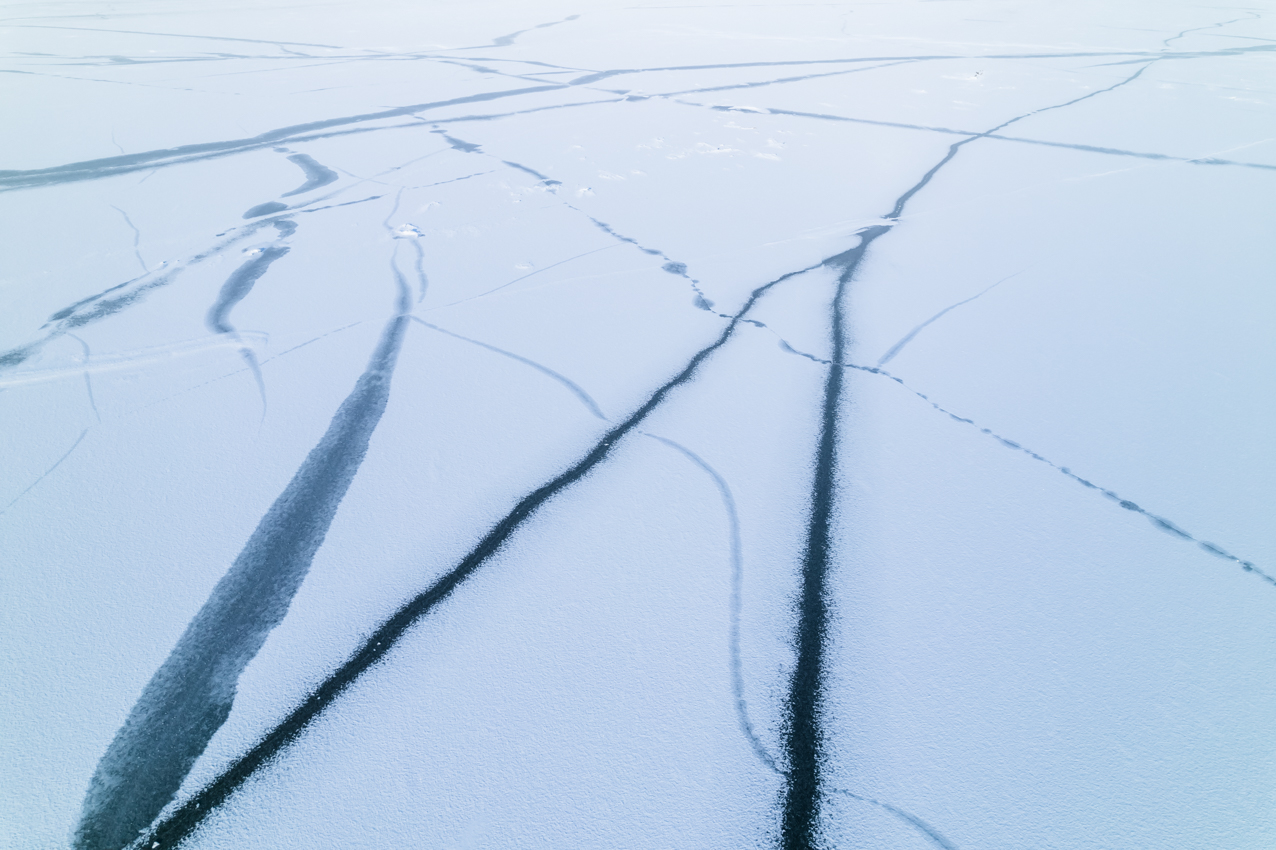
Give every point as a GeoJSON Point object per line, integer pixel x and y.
{"type": "Point", "coordinates": [908, 337]}
{"type": "Point", "coordinates": [187, 817]}
{"type": "Point", "coordinates": [110, 166]}
{"type": "Point", "coordinates": [191, 695]}
{"type": "Point", "coordinates": [1159, 522]}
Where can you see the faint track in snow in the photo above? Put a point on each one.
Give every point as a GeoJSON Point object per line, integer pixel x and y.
{"type": "Point", "coordinates": [128, 360]}
{"type": "Point", "coordinates": [176, 35]}
{"type": "Point", "coordinates": [137, 238]}
{"type": "Point", "coordinates": [908, 337]}
{"type": "Point", "coordinates": [507, 40]}
{"type": "Point", "coordinates": [47, 472]}
{"type": "Point", "coordinates": [736, 557]}
{"type": "Point", "coordinates": [780, 81]}
{"type": "Point", "coordinates": [262, 362]}
{"type": "Point", "coordinates": [933, 835]}
{"type": "Point", "coordinates": [88, 380]}
{"type": "Point", "coordinates": [521, 278]}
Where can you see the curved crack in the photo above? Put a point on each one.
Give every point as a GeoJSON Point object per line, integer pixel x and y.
{"type": "Point", "coordinates": [183, 820]}
{"type": "Point", "coordinates": [736, 560]}
{"type": "Point", "coordinates": [317, 175]}
{"type": "Point", "coordinates": [236, 289]}
{"type": "Point", "coordinates": [575, 389]}
{"type": "Point", "coordinates": [88, 380]}
{"type": "Point", "coordinates": [137, 237]}
{"type": "Point", "coordinates": [908, 337]}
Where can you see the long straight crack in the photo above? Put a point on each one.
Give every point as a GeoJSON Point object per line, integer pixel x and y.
{"type": "Point", "coordinates": [803, 745]}
{"type": "Point", "coordinates": [803, 742]}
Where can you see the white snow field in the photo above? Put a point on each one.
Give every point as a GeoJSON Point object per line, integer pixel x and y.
{"type": "Point", "coordinates": [638, 425]}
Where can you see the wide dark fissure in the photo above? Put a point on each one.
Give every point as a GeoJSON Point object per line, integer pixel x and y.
{"type": "Point", "coordinates": [803, 741]}
{"type": "Point", "coordinates": [799, 829]}
{"type": "Point", "coordinates": [190, 696]}
{"type": "Point", "coordinates": [186, 818]}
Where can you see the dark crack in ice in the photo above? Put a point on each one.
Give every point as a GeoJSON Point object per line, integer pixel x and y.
{"type": "Point", "coordinates": [191, 695]}
{"type": "Point", "coordinates": [1157, 521]}
{"type": "Point", "coordinates": [187, 817]}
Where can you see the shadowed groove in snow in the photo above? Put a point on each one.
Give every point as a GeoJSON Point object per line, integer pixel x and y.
{"type": "Point", "coordinates": [137, 238]}
{"type": "Point", "coordinates": [507, 40]}
{"type": "Point", "coordinates": [317, 175]}
{"type": "Point", "coordinates": [236, 289]}
{"type": "Point", "coordinates": [187, 817]}
{"type": "Point", "coordinates": [190, 696]}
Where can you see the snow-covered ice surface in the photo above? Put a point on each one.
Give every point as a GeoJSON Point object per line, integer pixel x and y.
{"type": "Point", "coordinates": [638, 425]}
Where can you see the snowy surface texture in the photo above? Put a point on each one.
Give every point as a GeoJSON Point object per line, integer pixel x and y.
{"type": "Point", "coordinates": [638, 426]}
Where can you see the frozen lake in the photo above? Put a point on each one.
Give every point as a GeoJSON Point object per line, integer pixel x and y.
{"type": "Point", "coordinates": [638, 426]}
